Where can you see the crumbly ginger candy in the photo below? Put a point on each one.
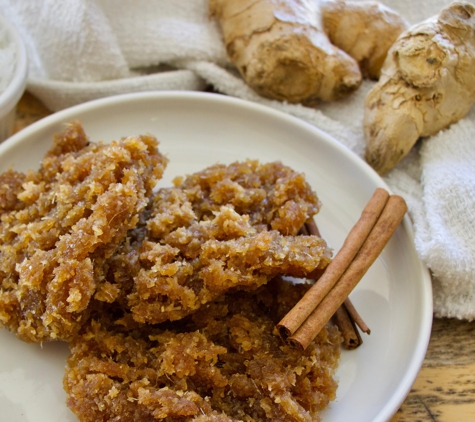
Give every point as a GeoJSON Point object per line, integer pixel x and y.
{"type": "Point", "coordinates": [222, 229]}
{"type": "Point", "coordinates": [223, 364]}
{"type": "Point", "coordinates": [60, 223]}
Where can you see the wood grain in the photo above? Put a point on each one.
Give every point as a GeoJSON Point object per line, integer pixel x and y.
{"type": "Point", "coordinates": [29, 110]}
{"type": "Point", "coordinates": [444, 390]}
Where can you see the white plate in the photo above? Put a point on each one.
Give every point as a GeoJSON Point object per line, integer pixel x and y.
{"type": "Point", "coordinates": [196, 130]}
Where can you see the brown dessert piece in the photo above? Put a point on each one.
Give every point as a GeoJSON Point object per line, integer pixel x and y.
{"type": "Point", "coordinates": [273, 195]}
{"type": "Point", "coordinates": [221, 229]}
{"type": "Point", "coordinates": [60, 223]}
{"type": "Point", "coordinates": [223, 363]}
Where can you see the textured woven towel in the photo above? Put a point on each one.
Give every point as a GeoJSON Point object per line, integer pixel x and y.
{"type": "Point", "coordinates": [84, 49]}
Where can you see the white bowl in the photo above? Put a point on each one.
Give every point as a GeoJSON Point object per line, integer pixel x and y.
{"type": "Point", "coordinates": [11, 95]}
{"type": "Point", "coordinates": [196, 130]}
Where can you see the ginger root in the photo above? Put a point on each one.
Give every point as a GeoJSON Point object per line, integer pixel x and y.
{"type": "Point", "coordinates": [427, 83]}
{"type": "Point", "coordinates": [281, 51]}
{"type": "Point", "coordinates": [363, 29]}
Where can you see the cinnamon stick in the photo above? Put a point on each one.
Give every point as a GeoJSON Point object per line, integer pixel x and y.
{"type": "Point", "coordinates": [358, 234]}
{"type": "Point", "coordinates": [386, 225]}
{"type": "Point", "coordinates": [355, 316]}
{"type": "Point", "coordinates": [347, 317]}
{"type": "Point", "coordinates": [312, 227]}
{"type": "Point", "coordinates": [303, 231]}
{"type": "Point", "coordinates": [350, 335]}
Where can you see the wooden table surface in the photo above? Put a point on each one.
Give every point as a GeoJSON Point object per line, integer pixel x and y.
{"type": "Point", "coordinates": [444, 390]}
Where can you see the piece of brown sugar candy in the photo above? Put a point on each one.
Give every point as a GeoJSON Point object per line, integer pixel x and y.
{"type": "Point", "coordinates": [169, 287]}
{"type": "Point", "coordinates": [223, 364]}
{"type": "Point", "coordinates": [224, 228]}
{"type": "Point", "coordinates": [63, 221]}
{"type": "Point", "coordinates": [273, 195]}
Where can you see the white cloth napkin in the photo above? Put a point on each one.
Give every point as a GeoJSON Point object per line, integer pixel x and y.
{"type": "Point", "coordinates": [85, 49]}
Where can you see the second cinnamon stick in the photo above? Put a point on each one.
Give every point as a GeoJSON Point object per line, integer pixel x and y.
{"type": "Point", "coordinates": [350, 336]}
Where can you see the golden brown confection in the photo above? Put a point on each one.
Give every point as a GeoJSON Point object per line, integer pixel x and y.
{"type": "Point", "coordinates": [58, 224]}
{"type": "Point", "coordinates": [221, 229]}
{"type": "Point", "coordinates": [221, 364]}
{"type": "Point", "coordinates": [273, 195]}
{"type": "Point", "coordinates": [90, 255]}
